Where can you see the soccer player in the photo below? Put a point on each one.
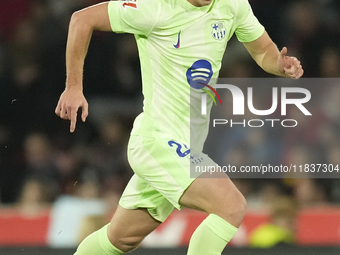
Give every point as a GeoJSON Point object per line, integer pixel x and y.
{"type": "Point", "coordinates": [179, 43]}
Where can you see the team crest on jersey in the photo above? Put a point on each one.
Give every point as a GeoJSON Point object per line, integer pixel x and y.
{"type": "Point", "coordinates": [218, 30]}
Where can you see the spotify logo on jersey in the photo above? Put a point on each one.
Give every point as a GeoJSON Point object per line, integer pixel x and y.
{"type": "Point", "coordinates": [199, 74]}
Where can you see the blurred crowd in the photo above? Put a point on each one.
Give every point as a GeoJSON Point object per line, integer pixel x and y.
{"type": "Point", "coordinates": [42, 163]}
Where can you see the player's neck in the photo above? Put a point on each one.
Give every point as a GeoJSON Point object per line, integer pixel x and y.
{"type": "Point", "coordinates": [199, 3]}
{"type": "Point", "coordinates": [193, 2]}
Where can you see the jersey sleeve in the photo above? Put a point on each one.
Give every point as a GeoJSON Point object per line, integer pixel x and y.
{"type": "Point", "coordinates": [133, 16]}
{"type": "Point", "coordinates": [248, 27]}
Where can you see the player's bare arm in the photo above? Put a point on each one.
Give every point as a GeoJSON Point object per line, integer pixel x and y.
{"type": "Point", "coordinates": [271, 60]}
{"type": "Point", "coordinates": [82, 24]}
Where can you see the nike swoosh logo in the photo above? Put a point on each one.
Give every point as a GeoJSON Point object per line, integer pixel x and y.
{"type": "Point", "coordinates": [178, 41]}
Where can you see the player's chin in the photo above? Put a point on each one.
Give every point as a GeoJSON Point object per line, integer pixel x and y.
{"type": "Point", "coordinates": [205, 2]}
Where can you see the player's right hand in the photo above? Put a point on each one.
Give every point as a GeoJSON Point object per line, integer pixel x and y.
{"type": "Point", "coordinates": [70, 101]}
{"type": "Point", "coordinates": [289, 66]}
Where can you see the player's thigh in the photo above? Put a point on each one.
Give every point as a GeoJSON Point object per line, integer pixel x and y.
{"type": "Point", "coordinates": [218, 195]}
{"type": "Point", "coordinates": [129, 227]}
{"type": "Point", "coordinates": [163, 171]}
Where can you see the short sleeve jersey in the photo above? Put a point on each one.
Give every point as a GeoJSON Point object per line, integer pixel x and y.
{"type": "Point", "coordinates": [180, 48]}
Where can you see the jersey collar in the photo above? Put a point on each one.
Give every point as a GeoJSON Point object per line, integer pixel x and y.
{"type": "Point", "coordinates": [189, 7]}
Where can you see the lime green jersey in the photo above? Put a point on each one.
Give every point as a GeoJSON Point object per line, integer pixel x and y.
{"type": "Point", "coordinates": [181, 48]}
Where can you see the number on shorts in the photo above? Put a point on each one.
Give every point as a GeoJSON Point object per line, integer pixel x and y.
{"type": "Point", "coordinates": [179, 148]}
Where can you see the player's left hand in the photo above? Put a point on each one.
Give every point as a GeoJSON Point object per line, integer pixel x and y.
{"type": "Point", "coordinates": [289, 66]}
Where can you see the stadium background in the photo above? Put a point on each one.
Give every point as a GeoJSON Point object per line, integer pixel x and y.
{"type": "Point", "coordinates": [57, 187]}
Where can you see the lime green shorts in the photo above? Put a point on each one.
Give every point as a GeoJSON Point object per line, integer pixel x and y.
{"type": "Point", "coordinates": [162, 174]}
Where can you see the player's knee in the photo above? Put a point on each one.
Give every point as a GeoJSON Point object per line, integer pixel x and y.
{"type": "Point", "coordinates": [231, 208]}
{"type": "Point", "coordinates": [127, 244]}
{"type": "Point", "coordinates": [241, 209]}
{"type": "Point", "coordinates": [238, 209]}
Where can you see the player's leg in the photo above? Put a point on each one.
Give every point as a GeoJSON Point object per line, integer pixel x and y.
{"type": "Point", "coordinates": [218, 195]}
{"type": "Point", "coordinates": [226, 207]}
{"type": "Point", "coordinates": [124, 233]}
{"type": "Point", "coordinates": [167, 170]}
{"type": "Point", "coordinates": [129, 227]}
{"type": "Point", "coordinates": [130, 223]}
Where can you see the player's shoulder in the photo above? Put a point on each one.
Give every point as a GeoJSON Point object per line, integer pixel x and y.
{"type": "Point", "coordinates": [138, 4]}
{"type": "Point", "coordinates": [233, 6]}
{"type": "Point", "coordinates": [238, 9]}
{"type": "Point", "coordinates": [150, 2]}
